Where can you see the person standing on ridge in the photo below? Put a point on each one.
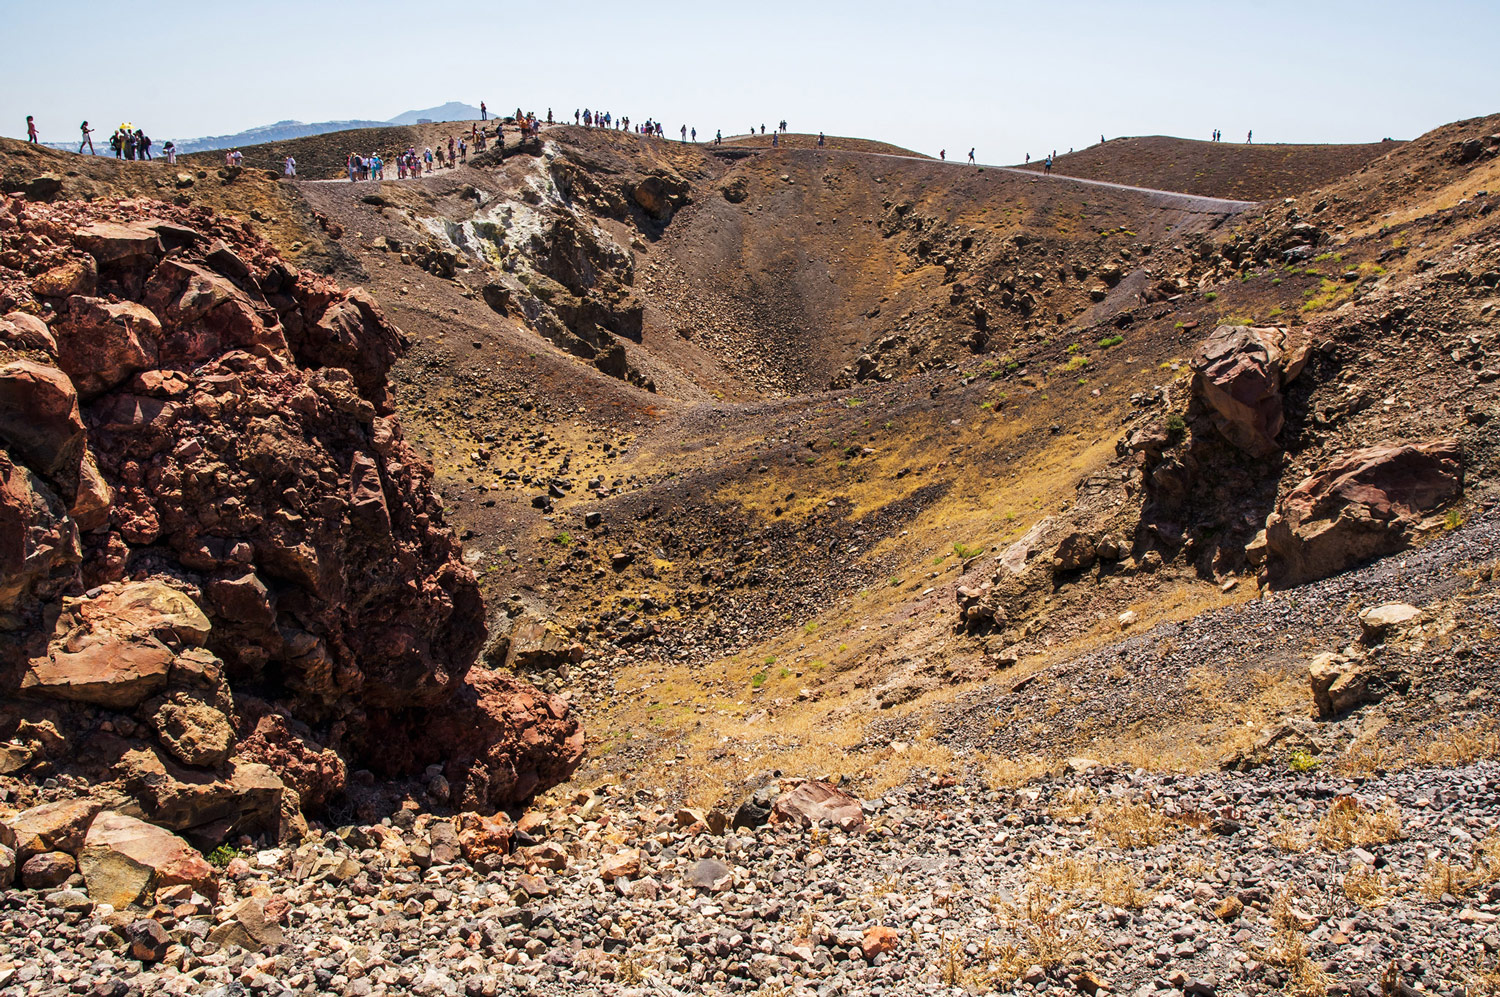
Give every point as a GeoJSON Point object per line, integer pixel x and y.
{"type": "Point", "coordinates": [820, 140]}
{"type": "Point", "coordinates": [943, 155]}
{"type": "Point", "coordinates": [170, 151]}
{"type": "Point", "coordinates": [719, 137]}
{"type": "Point", "coordinates": [484, 112]}
{"type": "Point", "coordinates": [695, 136]}
{"type": "Point", "coordinates": [31, 130]}
{"type": "Point", "coordinates": [775, 139]}
{"type": "Point", "coordinates": [88, 138]}
{"type": "Point", "coordinates": [143, 141]}
{"type": "Point", "coordinates": [684, 133]}
{"type": "Point", "coordinates": [1047, 167]}
{"type": "Point", "coordinates": [289, 167]}
{"type": "Point", "coordinates": [971, 156]}
{"type": "Point", "coordinates": [1249, 136]}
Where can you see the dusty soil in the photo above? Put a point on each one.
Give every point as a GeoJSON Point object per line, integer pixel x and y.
{"type": "Point", "coordinates": [1216, 169]}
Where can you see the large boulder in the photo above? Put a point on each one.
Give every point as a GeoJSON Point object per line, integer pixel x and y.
{"type": "Point", "coordinates": [660, 195]}
{"type": "Point", "coordinates": [812, 803]}
{"type": "Point", "coordinates": [1364, 505]}
{"type": "Point", "coordinates": [119, 674]}
{"type": "Point", "coordinates": [193, 729]}
{"type": "Point", "coordinates": [21, 331]}
{"type": "Point", "coordinates": [101, 343]}
{"type": "Point", "coordinates": [51, 827]}
{"type": "Point", "coordinates": [204, 805]}
{"type": "Point", "coordinates": [1239, 371]}
{"type": "Point", "coordinates": [125, 860]}
{"type": "Point", "coordinates": [116, 647]}
{"type": "Point", "coordinates": [499, 739]}
{"type": "Point", "coordinates": [39, 417]}
{"type": "Point", "coordinates": [39, 544]}
{"type": "Point", "coordinates": [115, 245]}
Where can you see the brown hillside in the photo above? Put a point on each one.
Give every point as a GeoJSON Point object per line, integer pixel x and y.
{"type": "Point", "coordinates": [1216, 169]}
{"type": "Point", "coordinates": [797, 140]}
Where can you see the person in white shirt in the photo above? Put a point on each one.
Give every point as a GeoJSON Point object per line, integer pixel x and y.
{"type": "Point", "coordinates": [289, 168]}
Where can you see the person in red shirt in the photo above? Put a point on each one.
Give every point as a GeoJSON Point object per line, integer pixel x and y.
{"type": "Point", "coordinates": [30, 130]}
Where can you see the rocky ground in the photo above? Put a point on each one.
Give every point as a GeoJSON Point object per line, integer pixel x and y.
{"type": "Point", "coordinates": [1137, 571]}
{"type": "Point", "coordinates": [1105, 881]}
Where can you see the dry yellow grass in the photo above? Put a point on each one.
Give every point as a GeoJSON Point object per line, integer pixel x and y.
{"type": "Point", "coordinates": [1370, 889]}
{"type": "Point", "coordinates": [1131, 825]}
{"type": "Point", "coordinates": [1440, 745]}
{"type": "Point", "coordinates": [1350, 823]}
{"type": "Point", "coordinates": [1306, 978]}
{"type": "Point", "coordinates": [1443, 877]}
{"type": "Point", "coordinates": [1087, 877]}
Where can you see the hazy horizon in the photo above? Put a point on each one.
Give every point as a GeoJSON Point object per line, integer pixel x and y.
{"type": "Point", "coordinates": [1008, 79]}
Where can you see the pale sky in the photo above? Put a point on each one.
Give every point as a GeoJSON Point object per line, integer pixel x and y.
{"type": "Point", "coordinates": [1008, 78]}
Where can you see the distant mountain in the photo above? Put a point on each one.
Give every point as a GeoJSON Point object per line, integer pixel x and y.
{"type": "Point", "coordinates": [283, 130]}
{"type": "Point", "coordinates": [279, 132]}
{"type": "Point", "coordinates": [451, 111]}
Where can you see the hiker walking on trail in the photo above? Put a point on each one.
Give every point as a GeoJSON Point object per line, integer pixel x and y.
{"type": "Point", "coordinates": [971, 156]}
{"type": "Point", "coordinates": [289, 167]}
{"type": "Point", "coordinates": [695, 136]}
{"type": "Point", "coordinates": [88, 138]}
{"type": "Point", "coordinates": [719, 137]}
{"type": "Point", "coordinates": [1249, 136]}
{"type": "Point", "coordinates": [170, 151]}
{"type": "Point", "coordinates": [775, 136]}
{"type": "Point", "coordinates": [1047, 167]}
{"type": "Point", "coordinates": [783, 124]}
{"type": "Point", "coordinates": [349, 164]}
{"type": "Point", "coordinates": [143, 143]}
{"type": "Point", "coordinates": [820, 140]}
{"type": "Point", "coordinates": [452, 159]}
{"type": "Point", "coordinates": [130, 145]}
{"type": "Point", "coordinates": [31, 130]}
{"type": "Point", "coordinates": [943, 155]}
{"type": "Point", "coordinates": [684, 133]}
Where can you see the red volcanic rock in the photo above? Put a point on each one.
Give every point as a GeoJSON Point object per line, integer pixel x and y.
{"type": "Point", "coordinates": [220, 420]}
{"type": "Point", "coordinates": [100, 344]}
{"type": "Point", "coordinates": [814, 802]}
{"type": "Point", "coordinates": [39, 548]}
{"type": "Point", "coordinates": [125, 860]}
{"type": "Point", "coordinates": [287, 748]}
{"type": "Point", "coordinates": [39, 416]}
{"type": "Point", "coordinates": [1361, 506]}
{"type": "Point", "coordinates": [500, 739]}
{"type": "Point", "coordinates": [113, 244]}
{"type": "Point", "coordinates": [1240, 371]}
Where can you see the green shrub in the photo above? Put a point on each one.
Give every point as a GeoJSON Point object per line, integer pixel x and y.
{"type": "Point", "coordinates": [223, 855]}
{"type": "Point", "coordinates": [1109, 341]}
{"type": "Point", "coordinates": [965, 552]}
{"type": "Point", "coordinates": [1301, 761]}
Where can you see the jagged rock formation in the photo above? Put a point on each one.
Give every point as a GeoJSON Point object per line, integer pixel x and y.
{"type": "Point", "coordinates": [226, 577]}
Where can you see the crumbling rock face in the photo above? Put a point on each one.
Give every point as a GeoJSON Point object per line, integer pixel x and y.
{"type": "Point", "coordinates": [1239, 371]}
{"type": "Point", "coordinates": [205, 496]}
{"type": "Point", "coordinates": [1364, 505]}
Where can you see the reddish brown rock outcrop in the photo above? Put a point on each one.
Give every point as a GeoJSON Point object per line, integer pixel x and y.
{"type": "Point", "coordinates": [1365, 505]}
{"type": "Point", "coordinates": [196, 421]}
{"type": "Point", "coordinates": [1240, 371]}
